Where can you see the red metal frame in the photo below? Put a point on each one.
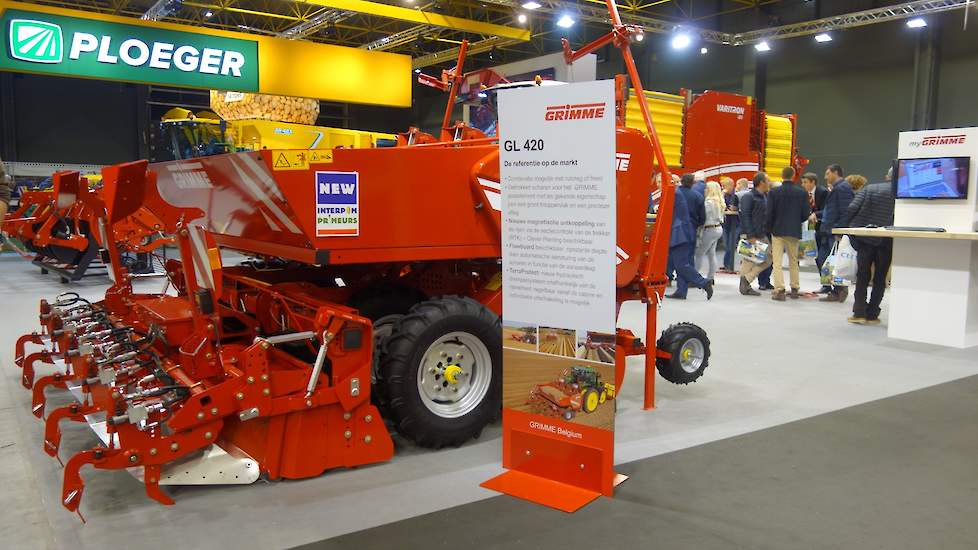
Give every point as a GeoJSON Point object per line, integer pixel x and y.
{"type": "Point", "coordinates": [175, 374]}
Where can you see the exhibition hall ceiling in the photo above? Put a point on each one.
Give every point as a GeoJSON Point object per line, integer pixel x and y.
{"type": "Point", "coordinates": [500, 30]}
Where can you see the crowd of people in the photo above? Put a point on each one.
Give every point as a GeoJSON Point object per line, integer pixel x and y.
{"type": "Point", "coordinates": [776, 213]}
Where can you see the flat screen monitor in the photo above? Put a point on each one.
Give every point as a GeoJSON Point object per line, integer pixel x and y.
{"type": "Point", "coordinates": [932, 178]}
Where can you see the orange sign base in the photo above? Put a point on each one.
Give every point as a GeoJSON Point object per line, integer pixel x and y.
{"type": "Point", "coordinates": [560, 465]}
{"type": "Point", "coordinates": [540, 490]}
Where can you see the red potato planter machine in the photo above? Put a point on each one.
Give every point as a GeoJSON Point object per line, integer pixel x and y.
{"type": "Point", "coordinates": [293, 366]}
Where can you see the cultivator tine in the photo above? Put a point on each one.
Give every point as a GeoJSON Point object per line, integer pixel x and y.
{"type": "Point", "coordinates": [38, 398]}
{"type": "Point", "coordinates": [151, 478]}
{"type": "Point", "coordinates": [72, 487]}
{"type": "Point", "coordinates": [27, 377]}
{"type": "Point", "coordinates": [52, 425]}
{"type": "Point", "coordinates": [33, 338]}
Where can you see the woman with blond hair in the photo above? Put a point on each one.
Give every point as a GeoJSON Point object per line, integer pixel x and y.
{"type": "Point", "coordinates": [706, 244]}
{"type": "Point", "coordinates": [856, 181]}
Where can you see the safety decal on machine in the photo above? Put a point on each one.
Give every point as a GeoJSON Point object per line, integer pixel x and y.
{"type": "Point", "coordinates": [290, 160]}
{"type": "Point", "coordinates": [337, 204]}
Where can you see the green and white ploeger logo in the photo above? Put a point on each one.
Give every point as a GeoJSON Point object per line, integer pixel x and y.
{"type": "Point", "coordinates": [36, 41]}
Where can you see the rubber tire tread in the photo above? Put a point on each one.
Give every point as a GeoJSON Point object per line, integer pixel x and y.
{"type": "Point", "coordinates": [401, 358]}
{"type": "Point", "coordinates": [672, 340]}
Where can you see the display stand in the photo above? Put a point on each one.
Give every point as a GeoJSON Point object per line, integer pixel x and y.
{"type": "Point", "coordinates": [933, 295]}
{"type": "Point", "coordinates": [559, 293]}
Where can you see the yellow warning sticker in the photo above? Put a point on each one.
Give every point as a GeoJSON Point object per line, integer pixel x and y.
{"type": "Point", "coordinates": [320, 156]}
{"type": "Point", "coordinates": [290, 160]}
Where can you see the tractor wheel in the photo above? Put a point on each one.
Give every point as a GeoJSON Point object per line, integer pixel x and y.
{"type": "Point", "coordinates": [568, 414]}
{"type": "Point", "coordinates": [690, 349]}
{"type": "Point", "coordinates": [590, 400]}
{"type": "Point", "coordinates": [442, 370]}
{"type": "Point", "coordinates": [380, 301]}
{"type": "Point", "coordinates": [382, 331]}
{"type": "Point", "coordinates": [603, 396]}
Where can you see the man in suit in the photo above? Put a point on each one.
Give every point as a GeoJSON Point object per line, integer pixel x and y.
{"type": "Point", "coordinates": [682, 239]}
{"type": "Point", "coordinates": [787, 209]}
{"type": "Point", "coordinates": [834, 215]}
{"type": "Point", "coordinates": [697, 212]}
{"type": "Point", "coordinates": [816, 201]}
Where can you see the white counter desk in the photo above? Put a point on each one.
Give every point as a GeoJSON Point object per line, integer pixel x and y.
{"type": "Point", "coordinates": [933, 294]}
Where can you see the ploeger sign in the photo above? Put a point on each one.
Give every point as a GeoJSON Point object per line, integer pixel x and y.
{"type": "Point", "coordinates": [56, 44]}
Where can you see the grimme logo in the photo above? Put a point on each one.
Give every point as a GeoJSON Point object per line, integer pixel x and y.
{"type": "Point", "coordinates": [943, 140]}
{"type": "Point", "coordinates": [575, 112]}
{"type": "Point", "coordinates": [36, 41]}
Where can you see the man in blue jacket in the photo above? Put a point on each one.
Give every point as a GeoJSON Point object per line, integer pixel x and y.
{"type": "Point", "coordinates": [682, 239]}
{"type": "Point", "coordinates": [753, 227]}
{"type": "Point", "coordinates": [697, 210]}
{"type": "Point", "coordinates": [834, 215]}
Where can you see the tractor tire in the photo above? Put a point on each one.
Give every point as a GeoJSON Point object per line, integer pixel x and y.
{"type": "Point", "coordinates": [380, 301]}
{"type": "Point", "coordinates": [690, 349]}
{"type": "Point", "coordinates": [603, 396]}
{"type": "Point", "coordinates": [383, 328]}
{"type": "Point", "coordinates": [568, 415]}
{"type": "Point", "coordinates": [590, 400]}
{"type": "Point", "coordinates": [442, 371]}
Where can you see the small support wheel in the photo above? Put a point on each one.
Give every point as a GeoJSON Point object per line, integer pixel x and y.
{"type": "Point", "coordinates": [568, 414]}
{"type": "Point", "coordinates": [690, 350]}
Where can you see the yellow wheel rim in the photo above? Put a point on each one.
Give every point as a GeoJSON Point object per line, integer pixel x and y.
{"type": "Point", "coordinates": [592, 401]}
{"type": "Point", "coordinates": [603, 397]}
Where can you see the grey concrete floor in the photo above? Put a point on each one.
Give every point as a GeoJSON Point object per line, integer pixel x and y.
{"type": "Point", "coordinates": [772, 363]}
{"type": "Point", "coordinates": [897, 473]}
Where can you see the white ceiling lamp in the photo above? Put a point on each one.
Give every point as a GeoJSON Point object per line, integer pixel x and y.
{"type": "Point", "coordinates": [823, 37]}
{"type": "Point", "coordinates": [640, 36]}
{"type": "Point", "coordinates": [532, 5]}
{"type": "Point", "coordinates": [680, 41]}
{"type": "Point", "coordinates": [565, 21]}
{"type": "Point", "coordinates": [521, 18]}
{"type": "Point", "coordinates": [703, 50]}
{"type": "Point", "coordinates": [762, 46]}
{"type": "Point", "coordinates": [917, 22]}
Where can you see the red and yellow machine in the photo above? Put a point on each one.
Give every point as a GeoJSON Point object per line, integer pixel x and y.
{"type": "Point", "coordinates": [719, 133]}
{"type": "Point", "coordinates": [296, 364]}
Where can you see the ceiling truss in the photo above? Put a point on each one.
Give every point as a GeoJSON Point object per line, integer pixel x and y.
{"type": "Point", "coordinates": [429, 45]}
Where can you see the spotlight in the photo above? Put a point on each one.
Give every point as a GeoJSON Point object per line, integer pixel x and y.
{"type": "Point", "coordinates": [521, 18]}
{"type": "Point", "coordinates": [703, 50]}
{"type": "Point", "coordinates": [483, 95]}
{"type": "Point", "coordinates": [208, 14]}
{"type": "Point", "coordinates": [565, 22]}
{"type": "Point", "coordinates": [762, 46]}
{"type": "Point", "coordinates": [917, 22]}
{"type": "Point", "coordinates": [823, 37]}
{"type": "Point", "coordinates": [417, 71]}
{"type": "Point", "coordinates": [640, 37]}
{"type": "Point", "coordinates": [531, 5]}
{"type": "Point", "coordinates": [680, 41]}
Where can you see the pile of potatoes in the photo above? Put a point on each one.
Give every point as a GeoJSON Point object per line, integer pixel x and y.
{"type": "Point", "coordinates": [241, 106]}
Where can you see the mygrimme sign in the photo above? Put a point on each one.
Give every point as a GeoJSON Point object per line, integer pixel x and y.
{"type": "Point", "coordinates": [71, 46]}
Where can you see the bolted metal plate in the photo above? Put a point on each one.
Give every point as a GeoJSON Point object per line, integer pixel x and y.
{"type": "Point", "coordinates": [213, 465]}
